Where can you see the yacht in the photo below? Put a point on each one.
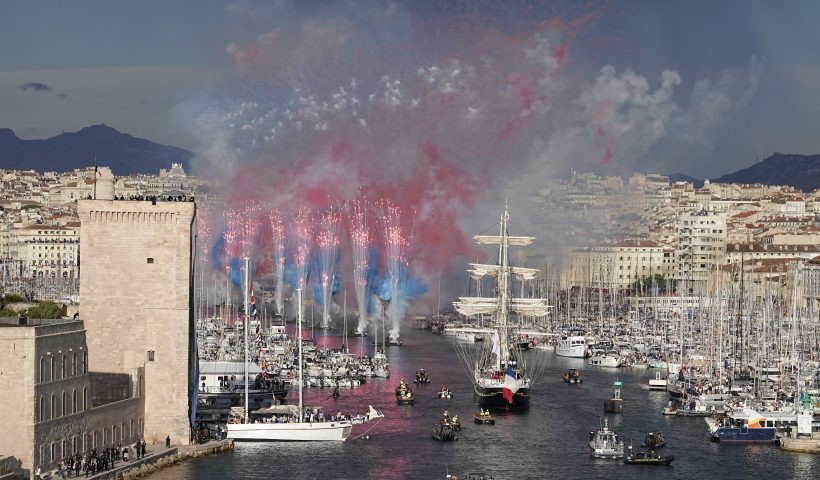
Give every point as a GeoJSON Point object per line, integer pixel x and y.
{"type": "Point", "coordinates": [572, 345]}
{"type": "Point", "coordinates": [288, 422]}
{"type": "Point", "coordinates": [608, 358]}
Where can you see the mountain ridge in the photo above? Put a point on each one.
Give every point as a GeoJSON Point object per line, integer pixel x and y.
{"type": "Point", "coordinates": [94, 144]}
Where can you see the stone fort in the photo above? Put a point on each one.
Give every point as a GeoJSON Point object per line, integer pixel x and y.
{"type": "Point", "coordinates": [136, 287]}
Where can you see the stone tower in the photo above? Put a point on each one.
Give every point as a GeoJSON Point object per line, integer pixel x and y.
{"type": "Point", "coordinates": [136, 299]}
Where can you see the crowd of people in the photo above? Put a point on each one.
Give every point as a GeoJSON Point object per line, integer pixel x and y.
{"type": "Point", "coordinates": [94, 462]}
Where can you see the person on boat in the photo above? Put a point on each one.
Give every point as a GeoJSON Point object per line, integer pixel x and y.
{"type": "Point", "coordinates": [454, 419]}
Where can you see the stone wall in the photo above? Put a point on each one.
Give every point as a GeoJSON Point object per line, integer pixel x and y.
{"type": "Point", "coordinates": [95, 428]}
{"type": "Point", "coordinates": [17, 392]}
{"type": "Point", "coordinates": [11, 467]}
{"type": "Point", "coordinates": [109, 387]}
{"type": "Point", "coordinates": [136, 288]}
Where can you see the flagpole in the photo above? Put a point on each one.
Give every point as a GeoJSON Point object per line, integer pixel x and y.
{"type": "Point", "coordinates": [247, 308]}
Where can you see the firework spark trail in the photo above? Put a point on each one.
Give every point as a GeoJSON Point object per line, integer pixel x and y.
{"type": "Point", "coordinates": [431, 132]}
{"type": "Point", "coordinates": [205, 233]}
{"type": "Point", "coordinates": [303, 231]}
{"type": "Point", "coordinates": [277, 226]}
{"type": "Point", "coordinates": [359, 241]}
{"type": "Point", "coordinates": [327, 239]}
{"type": "Point", "coordinates": [395, 261]}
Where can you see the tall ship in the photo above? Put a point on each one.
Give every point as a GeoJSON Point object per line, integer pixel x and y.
{"type": "Point", "coordinates": [501, 380]}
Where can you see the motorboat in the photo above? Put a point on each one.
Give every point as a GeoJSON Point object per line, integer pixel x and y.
{"type": "Point", "coordinates": [444, 432]}
{"type": "Point", "coordinates": [647, 457]}
{"type": "Point", "coordinates": [484, 417]}
{"type": "Point", "coordinates": [572, 376]}
{"type": "Point", "coordinates": [605, 443]}
{"type": "Point", "coordinates": [445, 393]}
{"type": "Point", "coordinates": [573, 345]}
{"type": "Point", "coordinates": [421, 377]}
{"type": "Point", "coordinates": [404, 395]}
{"type": "Point", "coordinates": [654, 440]}
{"type": "Point", "coordinates": [608, 358]}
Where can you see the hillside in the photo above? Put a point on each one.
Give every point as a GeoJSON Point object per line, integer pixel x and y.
{"type": "Point", "coordinates": [799, 171]}
{"type": "Point", "coordinates": [97, 144]}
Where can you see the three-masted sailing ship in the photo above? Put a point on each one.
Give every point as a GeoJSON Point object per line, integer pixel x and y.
{"type": "Point", "coordinates": [501, 380]}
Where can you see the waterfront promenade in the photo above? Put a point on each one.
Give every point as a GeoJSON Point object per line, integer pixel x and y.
{"type": "Point", "coordinates": [156, 458]}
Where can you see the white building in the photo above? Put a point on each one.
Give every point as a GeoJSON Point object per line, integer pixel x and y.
{"type": "Point", "coordinates": [701, 245]}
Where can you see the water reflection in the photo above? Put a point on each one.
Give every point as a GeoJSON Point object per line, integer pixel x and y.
{"type": "Point", "coordinates": [549, 441]}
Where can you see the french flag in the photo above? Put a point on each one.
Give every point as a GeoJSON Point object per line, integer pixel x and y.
{"type": "Point", "coordinates": [510, 384]}
{"type": "Point", "coordinates": [253, 303]}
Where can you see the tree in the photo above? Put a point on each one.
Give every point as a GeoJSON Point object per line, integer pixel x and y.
{"type": "Point", "coordinates": [7, 312]}
{"type": "Point", "coordinates": [653, 281]}
{"type": "Point", "coordinates": [45, 310]}
{"type": "Point", "coordinates": [13, 298]}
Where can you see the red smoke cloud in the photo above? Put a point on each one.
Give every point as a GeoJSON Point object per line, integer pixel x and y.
{"type": "Point", "coordinates": [327, 112]}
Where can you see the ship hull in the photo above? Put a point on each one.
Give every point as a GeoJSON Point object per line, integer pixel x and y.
{"type": "Point", "coordinates": [493, 398]}
{"type": "Point", "coordinates": [743, 435]}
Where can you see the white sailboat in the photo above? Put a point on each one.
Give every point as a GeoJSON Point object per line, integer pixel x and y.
{"type": "Point", "coordinates": [288, 422]}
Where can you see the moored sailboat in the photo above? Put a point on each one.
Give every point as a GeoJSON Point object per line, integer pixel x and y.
{"type": "Point", "coordinates": [290, 423]}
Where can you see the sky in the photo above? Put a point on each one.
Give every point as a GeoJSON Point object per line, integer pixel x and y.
{"type": "Point", "coordinates": [698, 87]}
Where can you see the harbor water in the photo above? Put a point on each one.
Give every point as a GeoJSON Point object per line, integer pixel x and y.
{"type": "Point", "coordinates": [547, 441]}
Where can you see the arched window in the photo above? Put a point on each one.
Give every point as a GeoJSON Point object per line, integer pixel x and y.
{"type": "Point", "coordinates": [62, 366]}
{"type": "Point", "coordinates": [53, 407]}
{"type": "Point", "coordinates": [74, 401]}
{"type": "Point", "coordinates": [52, 374]}
{"type": "Point", "coordinates": [85, 398]}
{"type": "Point", "coordinates": [42, 410]}
{"type": "Point", "coordinates": [64, 404]}
{"type": "Point", "coordinates": [42, 369]}
{"type": "Point", "coordinates": [74, 363]}
{"type": "Point", "coordinates": [85, 362]}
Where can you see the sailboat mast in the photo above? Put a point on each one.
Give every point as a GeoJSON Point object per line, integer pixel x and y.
{"type": "Point", "coordinates": [247, 309]}
{"type": "Point", "coordinates": [503, 286]}
{"type": "Point", "coordinates": [299, 341]}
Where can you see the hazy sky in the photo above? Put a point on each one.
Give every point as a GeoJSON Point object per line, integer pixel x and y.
{"type": "Point", "coordinates": [742, 77]}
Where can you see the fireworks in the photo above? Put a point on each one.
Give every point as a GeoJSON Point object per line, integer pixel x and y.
{"type": "Point", "coordinates": [303, 231]}
{"type": "Point", "coordinates": [327, 239]}
{"type": "Point", "coordinates": [395, 261]}
{"type": "Point", "coordinates": [359, 241]}
{"type": "Point", "coordinates": [277, 228]}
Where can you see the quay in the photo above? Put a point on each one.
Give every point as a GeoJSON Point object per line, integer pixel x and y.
{"type": "Point", "coordinates": [156, 460]}
{"type": "Point", "coordinates": [801, 444]}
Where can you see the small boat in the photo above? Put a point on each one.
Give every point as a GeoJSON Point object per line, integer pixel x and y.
{"type": "Point", "coordinates": [483, 418]}
{"type": "Point", "coordinates": [393, 342]}
{"type": "Point", "coordinates": [605, 443]}
{"type": "Point", "coordinates": [421, 377]}
{"type": "Point", "coordinates": [654, 440]}
{"type": "Point", "coordinates": [444, 432]}
{"type": "Point", "coordinates": [647, 458]}
{"type": "Point", "coordinates": [445, 393]}
{"type": "Point", "coordinates": [404, 396]}
{"type": "Point", "coordinates": [573, 375]}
